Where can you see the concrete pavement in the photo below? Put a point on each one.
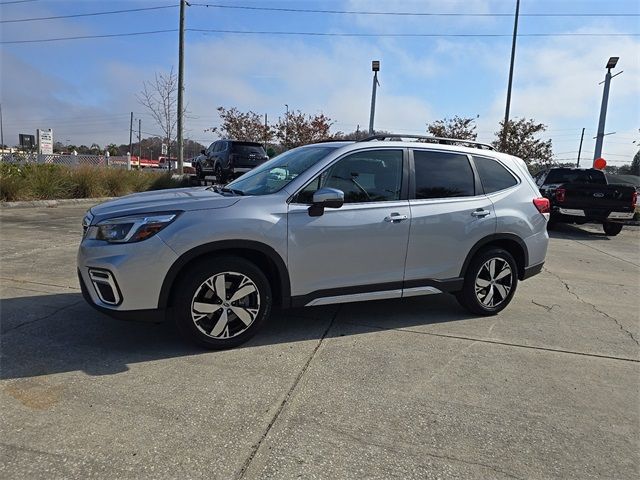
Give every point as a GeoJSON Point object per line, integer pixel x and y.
{"type": "Point", "coordinates": [417, 388]}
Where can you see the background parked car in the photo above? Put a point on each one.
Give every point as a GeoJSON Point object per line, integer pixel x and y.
{"type": "Point", "coordinates": [227, 159]}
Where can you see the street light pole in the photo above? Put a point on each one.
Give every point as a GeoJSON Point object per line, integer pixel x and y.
{"type": "Point", "coordinates": [580, 148]}
{"type": "Point", "coordinates": [375, 67]}
{"type": "Point", "coordinates": [603, 107]}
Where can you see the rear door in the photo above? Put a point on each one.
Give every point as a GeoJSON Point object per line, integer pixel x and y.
{"type": "Point", "coordinates": [449, 214]}
{"type": "Point", "coordinates": [357, 251]}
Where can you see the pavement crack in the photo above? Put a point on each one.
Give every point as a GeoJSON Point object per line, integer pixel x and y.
{"type": "Point", "coordinates": [494, 342]}
{"type": "Point", "coordinates": [285, 400]}
{"type": "Point", "coordinates": [548, 308]}
{"type": "Point", "coordinates": [593, 307]}
{"type": "Point", "coordinates": [58, 310]}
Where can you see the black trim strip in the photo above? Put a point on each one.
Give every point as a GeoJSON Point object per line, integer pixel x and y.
{"type": "Point", "coordinates": [532, 270]}
{"type": "Point", "coordinates": [213, 247]}
{"type": "Point", "coordinates": [448, 285]}
{"type": "Point", "coordinates": [492, 238]}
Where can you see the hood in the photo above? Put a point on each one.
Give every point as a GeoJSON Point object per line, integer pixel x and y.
{"type": "Point", "coordinates": [184, 199]}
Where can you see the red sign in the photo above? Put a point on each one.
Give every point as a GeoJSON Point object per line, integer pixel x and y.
{"type": "Point", "coordinates": [599, 163]}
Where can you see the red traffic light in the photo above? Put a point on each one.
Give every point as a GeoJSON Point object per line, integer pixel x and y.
{"type": "Point", "coordinates": [599, 163]}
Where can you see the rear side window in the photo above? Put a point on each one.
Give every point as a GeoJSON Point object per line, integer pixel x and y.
{"type": "Point", "coordinates": [494, 177]}
{"type": "Point", "coordinates": [442, 175]}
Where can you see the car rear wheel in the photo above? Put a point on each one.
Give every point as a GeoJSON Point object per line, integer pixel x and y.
{"type": "Point", "coordinates": [490, 282]}
{"type": "Point", "coordinates": [222, 302]}
{"type": "Point", "coordinates": [611, 229]}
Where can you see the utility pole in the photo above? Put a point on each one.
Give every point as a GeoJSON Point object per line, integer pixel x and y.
{"type": "Point", "coordinates": [513, 57]}
{"type": "Point", "coordinates": [580, 148]}
{"type": "Point", "coordinates": [603, 108]}
{"type": "Point", "coordinates": [139, 141]}
{"type": "Point", "coordinates": [181, 88]}
{"type": "Point", "coordinates": [1, 130]}
{"type": "Point", "coordinates": [131, 134]}
{"type": "Point", "coordinates": [286, 127]}
{"type": "Point", "coordinates": [375, 67]}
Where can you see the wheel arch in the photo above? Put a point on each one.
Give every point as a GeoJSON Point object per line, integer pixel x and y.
{"type": "Point", "coordinates": [262, 255]}
{"type": "Point", "coordinates": [507, 241]}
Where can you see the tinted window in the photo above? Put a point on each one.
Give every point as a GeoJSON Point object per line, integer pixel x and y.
{"type": "Point", "coordinates": [442, 175]}
{"type": "Point", "coordinates": [371, 176]}
{"type": "Point", "coordinates": [561, 175]}
{"type": "Point", "coordinates": [493, 176]}
{"type": "Point", "coordinates": [247, 149]}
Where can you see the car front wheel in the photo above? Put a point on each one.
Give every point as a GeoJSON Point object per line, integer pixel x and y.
{"type": "Point", "coordinates": [222, 302]}
{"type": "Point", "coordinates": [489, 283]}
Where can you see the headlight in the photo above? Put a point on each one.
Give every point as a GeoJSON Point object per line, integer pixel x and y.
{"type": "Point", "coordinates": [130, 229]}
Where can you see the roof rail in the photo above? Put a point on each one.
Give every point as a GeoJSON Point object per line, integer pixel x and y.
{"type": "Point", "coordinates": [427, 139]}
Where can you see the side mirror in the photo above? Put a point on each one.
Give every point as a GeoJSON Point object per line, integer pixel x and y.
{"type": "Point", "coordinates": [326, 198]}
{"type": "Point", "coordinates": [202, 151]}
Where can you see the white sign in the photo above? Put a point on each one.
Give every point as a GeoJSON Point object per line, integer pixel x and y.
{"type": "Point", "coordinates": [45, 141]}
{"type": "Point", "coordinates": [164, 149]}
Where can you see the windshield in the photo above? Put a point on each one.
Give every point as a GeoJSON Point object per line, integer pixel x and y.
{"type": "Point", "coordinates": [275, 174]}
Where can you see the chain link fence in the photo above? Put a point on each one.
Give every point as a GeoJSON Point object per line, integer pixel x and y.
{"type": "Point", "coordinates": [122, 161]}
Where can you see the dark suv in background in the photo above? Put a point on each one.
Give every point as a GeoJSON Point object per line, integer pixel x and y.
{"type": "Point", "coordinates": [227, 159]}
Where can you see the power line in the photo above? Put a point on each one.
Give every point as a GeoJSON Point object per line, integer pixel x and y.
{"type": "Point", "coordinates": [408, 14]}
{"type": "Point", "coordinates": [323, 34]}
{"type": "Point", "coordinates": [58, 17]}
{"type": "Point", "coordinates": [409, 35]}
{"type": "Point", "coordinates": [84, 37]}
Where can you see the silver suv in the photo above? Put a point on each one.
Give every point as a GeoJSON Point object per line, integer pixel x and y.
{"type": "Point", "coordinates": [325, 223]}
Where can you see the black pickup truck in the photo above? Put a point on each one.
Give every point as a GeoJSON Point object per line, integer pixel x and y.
{"type": "Point", "coordinates": [584, 196]}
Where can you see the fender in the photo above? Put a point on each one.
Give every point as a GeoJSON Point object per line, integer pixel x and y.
{"type": "Point", "coordinates": [492, 238]}
{"type": "Point", "coordinates": [207, 248]}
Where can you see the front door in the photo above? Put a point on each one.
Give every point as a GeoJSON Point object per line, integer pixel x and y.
{"type": "Point", "coordinates": [358, 251]}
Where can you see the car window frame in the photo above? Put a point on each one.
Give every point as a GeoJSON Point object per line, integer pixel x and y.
{"type": "Point", "coordinates": [404, 184]}
{"type": "Point", "coordinates": [509, 170]}
{"type": "Point", "coordinates": [477, 185]}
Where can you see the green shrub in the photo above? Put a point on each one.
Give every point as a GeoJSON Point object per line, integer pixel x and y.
{"type": "Point", "coordinates": [46, 182]}
{"type": "Point", "coordinates": [11, 188]}
{"type": "Point", "coordinates": [166, 180]}
{"type": "Point", "coordinates": [140, 180]}
{"type": "Point", "coordinates": [87, 182]}
{"type": "Point", "coordinates": [116, 182]}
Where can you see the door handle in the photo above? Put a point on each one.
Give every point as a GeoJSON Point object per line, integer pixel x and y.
{"type": "Point", "coordinates": [395, 217]}
{"type": "Point", "coordinates": [480, 213]}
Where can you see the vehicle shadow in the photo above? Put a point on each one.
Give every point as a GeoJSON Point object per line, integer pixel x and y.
{"type": "Point", "coordinates": [50, 334]}
{"type": "Point", "coordinates": [578, 232]}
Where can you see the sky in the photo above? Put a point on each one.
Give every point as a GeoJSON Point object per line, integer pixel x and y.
{"type": "Point", "coordinates": [85, 89]}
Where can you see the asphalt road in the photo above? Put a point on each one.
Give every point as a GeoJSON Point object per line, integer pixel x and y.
{"type": "Point", "coordinates": [391, 389]}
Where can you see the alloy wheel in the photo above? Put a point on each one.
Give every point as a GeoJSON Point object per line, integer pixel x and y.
{"type": "Point", "coordinates": [225, 305]}
{"type": "Point", "coordinates": [493, 282]}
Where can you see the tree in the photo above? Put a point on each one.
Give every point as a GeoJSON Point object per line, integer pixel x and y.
{"type": "Point", "coordinates": [635, 164]}
{"type": "Point", "coordinates": [248, 126]}
{"type": "Point", "coordinates": [298, 128]}
{"type": "Point", "coordinates": [520, 141]}
{"type": "Point", "coordinates": [457, 127]}
{"type": "Point", "coordinates": [359, 134]}
{"type": "Point", "coordinates": [160, 98]}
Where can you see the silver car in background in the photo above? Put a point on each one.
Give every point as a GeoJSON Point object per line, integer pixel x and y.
{"type": "Point", "coordinates": [320, 224]}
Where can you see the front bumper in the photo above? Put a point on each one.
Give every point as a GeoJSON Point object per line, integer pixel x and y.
{"type": "Point", "coordinates": [136, 270]}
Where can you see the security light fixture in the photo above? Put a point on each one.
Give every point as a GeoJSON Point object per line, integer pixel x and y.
{"type": "Point", "coordinates": [612, 62]}
{"type": "Point", "coordinates": [375, 65]}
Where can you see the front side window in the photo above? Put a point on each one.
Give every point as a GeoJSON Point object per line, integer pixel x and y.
{"type": "Point", "coordinates": [442, 175]}
{"type": "Point", "coordinates": [369, 176]}
{"type": "Point", "coordinates": [494, 177]}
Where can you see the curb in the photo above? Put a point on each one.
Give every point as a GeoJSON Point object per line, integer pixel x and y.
{"type": "Point", "coordinates": [53, 203]}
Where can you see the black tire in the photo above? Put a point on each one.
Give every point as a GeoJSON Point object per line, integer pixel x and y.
{"type": "Point", "coordinates": [611, 229]}
{"type": "Point", "coordinates": [221, 177]}
{"type": "Point", "coordinates": [211, 330]}
{"type": "Point", "coordinates": [471, 300]}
